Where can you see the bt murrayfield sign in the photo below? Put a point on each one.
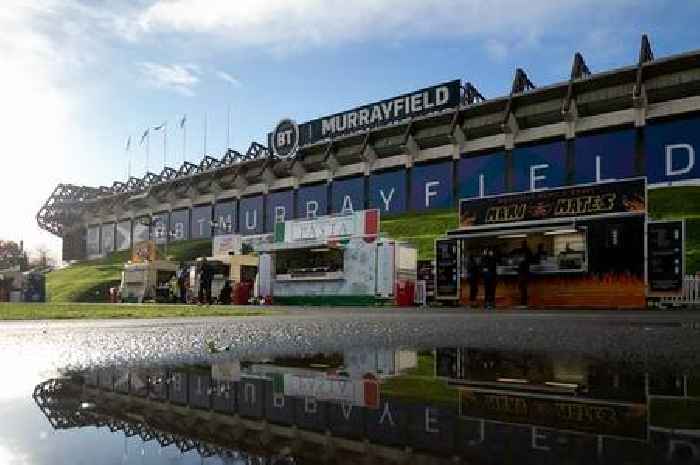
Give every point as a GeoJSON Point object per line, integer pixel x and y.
{"type": "Point", "coordinates": [287, 136]}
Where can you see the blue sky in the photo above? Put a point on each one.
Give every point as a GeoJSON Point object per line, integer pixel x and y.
{"type": "Point", "coordinates": [79, 77]}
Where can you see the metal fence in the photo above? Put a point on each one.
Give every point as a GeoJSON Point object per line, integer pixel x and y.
{"type": "Point", "coordinates": [690, 295]}
{"type": "Point", "coordinates": [421, 296]}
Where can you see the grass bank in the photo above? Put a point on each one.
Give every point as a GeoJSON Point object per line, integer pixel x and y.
{"type": "Point", "coordinates": [68, 311]}
{"type": "Point", "coordinates": [420, 383]}
{"type": "Point", "coordinates": [88, 281]}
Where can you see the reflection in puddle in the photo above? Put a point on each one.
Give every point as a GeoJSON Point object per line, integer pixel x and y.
{"type": "Point", "coordinates": [392, 406]}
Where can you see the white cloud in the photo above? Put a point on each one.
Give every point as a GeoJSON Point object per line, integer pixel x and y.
{"type": "Point", "coordinates": [178, 78]}
{"type": "Point", "coordinates": [224, 76]}
{"type": "Point", "coordinates": [282, 25]}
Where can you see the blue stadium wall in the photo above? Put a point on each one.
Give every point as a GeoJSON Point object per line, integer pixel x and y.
{"type": "Point", "coordinates": [663, 151]}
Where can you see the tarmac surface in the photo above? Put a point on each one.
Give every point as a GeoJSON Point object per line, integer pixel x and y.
{"type": "Point", "coordinates": [669, 338]}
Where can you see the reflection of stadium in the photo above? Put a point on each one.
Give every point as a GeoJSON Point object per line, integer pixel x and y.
{"type": "Point", "coordinates": [440, 144]}
{"type": "Point", "coordinates": [499, 406]}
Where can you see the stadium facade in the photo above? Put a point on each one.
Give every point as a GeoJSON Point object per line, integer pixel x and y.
{"type": "Point", "coordinates": [416, 152]}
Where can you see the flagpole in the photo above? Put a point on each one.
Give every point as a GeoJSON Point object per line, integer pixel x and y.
{"type": "Point", "coordinates": [228, 126]}
{"type": "Point", "coordinates": [148, 148]}
{"type": "Point", "coordinates": [205, 133]}
{"type": "Point", "coordinates": [128, 164]}
{"type": "Point", "coordinates": [184, 138]}
{"type": "Point", "coordinates": [165, 144]}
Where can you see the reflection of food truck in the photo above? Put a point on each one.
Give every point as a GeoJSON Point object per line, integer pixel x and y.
{"type": "Point", "coordinates": [147, 281]}
{"type": "Point", "coordinates": [336, 260]}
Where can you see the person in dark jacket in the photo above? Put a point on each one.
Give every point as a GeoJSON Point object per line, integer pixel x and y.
{"type": "Point", "coordinates": [524, 272]}
{"type": "Point", "coordinates": [489, 273]}
{"type": "Point", "coordinates": [225, 294]}
{"type": "Point", "coordinates": [182, 283]}
{"type": "Point", "coordinates": [205, 275]}
{"type": "Point", "coordinates": [473, 273]}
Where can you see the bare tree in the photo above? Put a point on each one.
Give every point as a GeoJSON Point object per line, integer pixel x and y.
{"type": "Point", "coordinates": [41, 257]}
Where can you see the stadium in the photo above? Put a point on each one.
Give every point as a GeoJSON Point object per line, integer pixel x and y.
{"type": "Point", "coordinates": [418, 153]}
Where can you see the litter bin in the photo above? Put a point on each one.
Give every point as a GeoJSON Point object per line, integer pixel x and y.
{"type": "Point", "coordinates": [405, 293]}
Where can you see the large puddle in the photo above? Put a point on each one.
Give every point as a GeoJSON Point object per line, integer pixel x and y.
{"type": "Point", "coordinates": [357, 403]}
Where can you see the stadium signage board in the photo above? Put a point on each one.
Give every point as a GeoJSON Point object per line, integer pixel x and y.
{"type": "Point", "coordinates": [285, 139]}
{"type": "Point", "coordinates": [592, 200]}
{"type": "Point", "coordinates": [374, 115]}
{"type": "Point", "coordinates": [576, 414]}
{"type": "Point", "coordinates": [363, 223]}
{"type": "Point", "coordinates": [666, 257]}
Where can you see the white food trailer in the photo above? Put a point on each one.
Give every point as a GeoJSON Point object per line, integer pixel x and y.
{"type": "Point", "coordinates": [146, 280]}
{"type": "Point", "coordinates": [336, 260]}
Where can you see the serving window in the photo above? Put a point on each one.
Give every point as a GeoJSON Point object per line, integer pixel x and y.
{"type": "Point", "coordinates": [556, 250]}
{"type": "Point", "coordinates": [311, 262]}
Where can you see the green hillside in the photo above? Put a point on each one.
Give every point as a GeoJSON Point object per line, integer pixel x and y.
{"type": "Point", "coordinates": [88, 281]}
{"type": "Point", "coordinates": [676, 203]}
{"type": "Point", "coordinates": [420, 229]}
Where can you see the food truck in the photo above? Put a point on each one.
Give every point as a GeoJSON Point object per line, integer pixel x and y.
{"type": "Point", "coordinates": [336, 260]}
{"type": "Point", "coordinates": [147, 280]}
{"type": "Point", "coordinates": [585, 244]}
{"type": "Point", "coordinates": [232, 259]}
{"type": "Point", "coordinates": [145, 277]}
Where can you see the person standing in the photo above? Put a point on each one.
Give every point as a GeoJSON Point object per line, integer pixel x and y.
{"type": "Point", "coordinates": [524, 272]}
{"type": "Point", "coordinates": [225, 294]}
{"type": "Point", "coordinates": [181, 283]}
{"type": "Point", "coordinates": [205, 282]}
{"type": "Point", "coordinates": [489, 271]}
{"type": "Point", "coordinates": [473, 279]}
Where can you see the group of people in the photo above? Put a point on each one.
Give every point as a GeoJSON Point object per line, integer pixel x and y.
{"type": "Point", "coordinates": [205, 275]}
{"type": "Point", "coordinates": [485, 268]}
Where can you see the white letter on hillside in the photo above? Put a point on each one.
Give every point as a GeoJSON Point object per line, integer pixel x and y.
{"type": "Point", "coordinates": [347, 205]}
{"type": "Point", "coordinates": [428, 192]}
{"type": "Point", "coordinates": [311, 208]}
{"type": "Point", "coordinates": [598, 177]}
{"type": "Point", "coordinates": [248, 224]}
{"type": "Point", "coordinates": [430, 422]}
{"type": "Point", "coordinates": [386, 200]}
{"type": "Point", "coordinates": [534, 177]}
{"type": "Point", "coordinates": [669, 159]}
{"type": "Point", "coordinates": [386, 414]}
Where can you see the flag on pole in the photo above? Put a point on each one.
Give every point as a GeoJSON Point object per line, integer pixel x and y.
{"type": "Point", "coordinates": [183, 120]}
{"type": "Point", "coordinates": [143, 137]}
{"type": "Point", "coordinates": [128, 143]}
{"type": "Point", "coordinates": [158, 128]}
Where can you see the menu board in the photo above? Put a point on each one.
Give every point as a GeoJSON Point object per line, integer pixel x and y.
{"type": "Point", "coordinates": [426, 272]}
{"type": "Point", "coordinates": [447, 269]}
{"type": "Point", "coordinates": [665, 267]}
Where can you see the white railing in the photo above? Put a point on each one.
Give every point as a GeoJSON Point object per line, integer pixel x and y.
{"type": "Point", "coordinates": [690, 295]}
{"type": "Point", "coordinates": [421, 295]}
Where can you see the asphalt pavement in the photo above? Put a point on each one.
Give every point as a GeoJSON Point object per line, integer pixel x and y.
{"type": "Point", "coordinates": [663, 337]}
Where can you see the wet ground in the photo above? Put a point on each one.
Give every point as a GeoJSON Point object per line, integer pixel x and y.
{"type": "Point", "coordinates": [354, 387]}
